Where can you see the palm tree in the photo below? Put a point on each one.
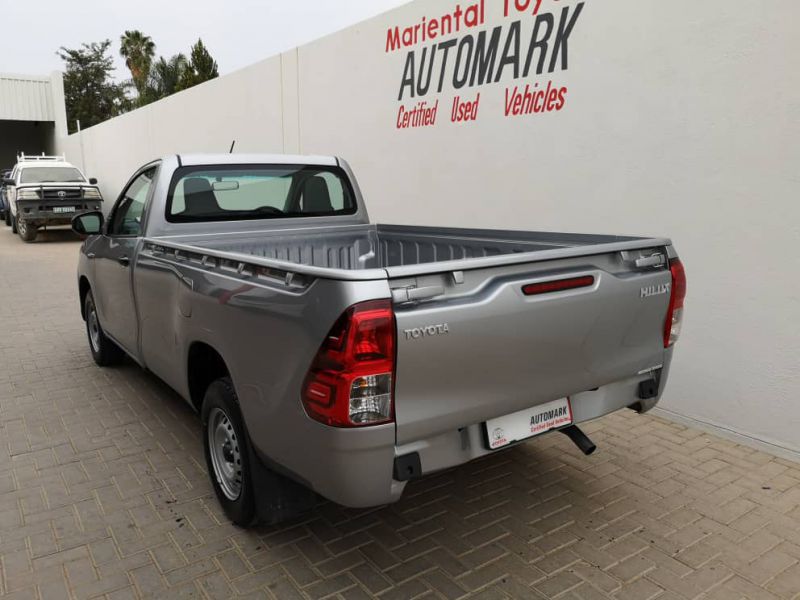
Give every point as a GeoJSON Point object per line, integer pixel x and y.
{"type": "Point", "coordinates": [165, 76]}
{"type": "Point", "coordinates": [138, 50]}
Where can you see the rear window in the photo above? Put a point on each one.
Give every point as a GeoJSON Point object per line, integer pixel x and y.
{"type": "Point", "coordinates": [236, 192]}
{"type": "Point", "coordinates": [50, 175]}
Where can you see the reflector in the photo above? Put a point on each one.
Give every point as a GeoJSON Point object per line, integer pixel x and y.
{"type": "Point", "coordinates": [547, 287]}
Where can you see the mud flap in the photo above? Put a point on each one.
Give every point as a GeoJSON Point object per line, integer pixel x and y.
{"type": "Point", "coordinates": [277, 497]}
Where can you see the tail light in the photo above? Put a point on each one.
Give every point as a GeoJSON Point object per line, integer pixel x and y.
{"type": "Point", "coordinates": [672, 326]}
{"type": "Point", "coordinates": [351, 380]}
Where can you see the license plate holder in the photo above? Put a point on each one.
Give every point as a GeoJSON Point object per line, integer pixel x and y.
{"type": "Point", "coordinates": [527, 423]}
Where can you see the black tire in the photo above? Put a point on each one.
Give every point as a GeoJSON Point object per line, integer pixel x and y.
{"type": "Point", "coordinates": [227, 450]}
{"type": "Point", "coordinates": [8, 217]}
{"type": "Point", "coordinates": [27, 232]}
{"type": "Point", "coordinates": [104, 352]}
{"type": "Point", "coordinates": [13, 224]}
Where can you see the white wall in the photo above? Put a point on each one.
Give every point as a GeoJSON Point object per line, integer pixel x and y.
{"type": "Point", "coordinates": [681, 119]}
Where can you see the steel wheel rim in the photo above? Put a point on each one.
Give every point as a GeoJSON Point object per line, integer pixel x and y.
{"type": "Point", "coordinates": [94, 329]}
{"type": "Point", "coordinates": [22, 227]}
{"type": "Point", "coordinates": [226, 458]}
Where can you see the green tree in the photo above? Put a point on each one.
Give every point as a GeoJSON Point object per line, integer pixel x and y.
{"type": "Point", "coordinates": [138, 51]}
{"type": "Point", "coordinates": [165, 77]}
{"type": "Point", "coordinates": [202, 66]}
{"type": "Point", "coordinates": [91, 94]}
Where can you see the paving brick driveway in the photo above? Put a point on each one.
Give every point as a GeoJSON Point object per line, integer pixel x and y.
{"type": "Point", "coordinates": [103, 491]}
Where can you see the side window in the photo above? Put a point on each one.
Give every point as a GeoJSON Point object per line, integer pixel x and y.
{"type": "Point", "coordinates": [127, 217]}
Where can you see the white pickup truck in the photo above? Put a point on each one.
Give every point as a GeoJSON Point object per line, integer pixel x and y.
{"type": "Point", "coordinates": [47, 190]}
{"type": "Point", "coordinates": [326, 353]}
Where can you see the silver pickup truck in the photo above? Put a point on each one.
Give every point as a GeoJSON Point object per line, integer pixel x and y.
{"type": "Point", "coordinates": [329, 355]}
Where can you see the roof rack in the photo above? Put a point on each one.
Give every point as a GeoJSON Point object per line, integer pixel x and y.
{"type": "Point", "coordinates": [21, 157]}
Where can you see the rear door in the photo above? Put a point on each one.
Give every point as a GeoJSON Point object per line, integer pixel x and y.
{"type": "Point", "coordinates": [114, 256]}
{"type": "Point", "coordinates": [508, 338]}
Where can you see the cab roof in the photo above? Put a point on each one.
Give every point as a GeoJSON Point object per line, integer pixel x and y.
{"type": "Point", "coordinates": [256, 159]}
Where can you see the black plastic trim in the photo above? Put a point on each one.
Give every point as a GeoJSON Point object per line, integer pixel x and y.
{"type": "Point", "coordinates": [407, 467]}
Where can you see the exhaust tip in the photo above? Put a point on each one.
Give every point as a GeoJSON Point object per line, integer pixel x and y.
{"type": "Point", "coordinates": [580, 439]}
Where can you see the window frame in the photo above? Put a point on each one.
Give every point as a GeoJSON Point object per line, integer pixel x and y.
{"type": "Point", "coordinates": [122, 197]}
{"type": "Point", "coordinates": [185, 171]}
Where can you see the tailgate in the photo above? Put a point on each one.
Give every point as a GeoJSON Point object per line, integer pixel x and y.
{"type": "Point", "coordinates": [479, 347]}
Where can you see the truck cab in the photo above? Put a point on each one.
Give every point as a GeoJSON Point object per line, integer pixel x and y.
{"type": "Point", "coordinates": [44, 191]}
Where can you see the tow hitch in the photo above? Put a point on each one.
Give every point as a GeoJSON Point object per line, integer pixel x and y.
{"type": "Point", "coordinates": [580, 439]}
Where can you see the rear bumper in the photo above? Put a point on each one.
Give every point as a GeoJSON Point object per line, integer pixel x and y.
{"type": "Point", "coordinates": [44, 212]}
{"type": "Point", "coordinates": [356, 468]}
{"type": "Point", "coordinates": [352, 467]}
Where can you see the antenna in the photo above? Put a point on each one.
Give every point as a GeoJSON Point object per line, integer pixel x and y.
{"type": "Point", "coordinates": [233, 143]}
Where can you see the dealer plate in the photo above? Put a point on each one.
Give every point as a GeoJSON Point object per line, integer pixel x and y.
{"type": "Point", "coordinates": [527, 423]}
{"type": "Point", "coordinates": [63, 209]}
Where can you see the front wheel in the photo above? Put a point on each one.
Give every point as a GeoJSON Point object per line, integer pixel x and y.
{"type": "Point", "coordinates": [227, 452]}
{"type": "Point", "coordinates": [13, 224]}
{"type": "Point", "coordinates": [104, 352]}
{"type": "Point", "coordinates": [26, 231]}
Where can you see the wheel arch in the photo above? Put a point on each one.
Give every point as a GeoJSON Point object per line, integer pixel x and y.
{"type": "Point", "coordinates": [84, 287]}
{"type": "Point", "coordinates": [204, 366]}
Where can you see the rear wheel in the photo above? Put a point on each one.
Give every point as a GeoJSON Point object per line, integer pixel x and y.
{"type": "Point", "coordinates": [13, 224]}
{"type": "Point", "coordinates": [26, 231]}
{"type": "Point", "coordinates": [104, 352]}
{"type": "Point", "coordinates": [227, 452]}
{"type": "Point", "coordinates": [8, 217]}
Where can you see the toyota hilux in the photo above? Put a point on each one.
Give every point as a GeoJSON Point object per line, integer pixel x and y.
{"type": "Point", "coordinates": [45, 191]}
{"type": "Point", "coordinates": [325, 353]}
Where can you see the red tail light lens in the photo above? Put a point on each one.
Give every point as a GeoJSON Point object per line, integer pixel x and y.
{"type": "Point", "coordinates": [672, 325]}
{"type": "Point", "coordinates": [351, 381]}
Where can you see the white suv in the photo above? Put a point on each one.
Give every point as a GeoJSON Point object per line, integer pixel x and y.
{"type": "Point", "coordinates": [47, 190]}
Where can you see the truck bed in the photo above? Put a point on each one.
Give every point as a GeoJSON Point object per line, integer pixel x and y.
{"type": "Point", "coordinates": [394, 248]}
{"type": "Point", "coordinates": [469, 336]}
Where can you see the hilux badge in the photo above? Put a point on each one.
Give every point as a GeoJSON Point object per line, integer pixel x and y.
{"type": "Point", "coordinates": [655, 290]}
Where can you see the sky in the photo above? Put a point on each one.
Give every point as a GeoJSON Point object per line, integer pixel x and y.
{"type": "Point", "coordinates": [237, 32]}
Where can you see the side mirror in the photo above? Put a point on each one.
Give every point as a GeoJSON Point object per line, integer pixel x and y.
{"type": "Point", "coordinates": [8, 181]}
{"type": "Point", "coordinates": [90, 223]}
{"type": "Point", "coordinates": [93, 180]}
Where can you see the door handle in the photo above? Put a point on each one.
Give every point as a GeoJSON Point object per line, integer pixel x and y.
{"type": "Point", "coordinates": [124, 261]}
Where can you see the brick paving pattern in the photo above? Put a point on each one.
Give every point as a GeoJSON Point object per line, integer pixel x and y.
{"type": "Point", "coordinates": [104, 493]}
